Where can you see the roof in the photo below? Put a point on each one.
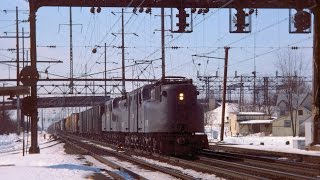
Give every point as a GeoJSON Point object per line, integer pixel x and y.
{"type": "Point", "coordinates": [251, 113]}
{"type": "Point", "coordinates": [256, 122]}
{"type": "Point", "coordinates": [297, 100]}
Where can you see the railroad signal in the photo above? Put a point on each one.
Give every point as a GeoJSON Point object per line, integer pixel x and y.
{"type": "Point", "coordinates": [28, 105]}
{"type": "Point", "coordinates": [29, 76]}
{"type": "Point", "coordinates": [300, 22]}
{"type": "Point", "coordinates": [182, 23]}
{"type": "Point", "coordinates": [240, 21]}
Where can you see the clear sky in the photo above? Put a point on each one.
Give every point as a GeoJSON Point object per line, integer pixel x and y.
{"type": "Point", "coordinates": [256, 50]}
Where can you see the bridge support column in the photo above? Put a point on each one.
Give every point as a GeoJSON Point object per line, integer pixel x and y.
{"type": "Point", "coordinates": [316, 79]}
{"type": "Point", "coordinates": [34, 149]}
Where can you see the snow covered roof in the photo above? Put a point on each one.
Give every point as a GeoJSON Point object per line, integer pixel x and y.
{"type": "Point", "coordinates": [257, 122]}
{"type": "Point", "coordinates": [251, 113]}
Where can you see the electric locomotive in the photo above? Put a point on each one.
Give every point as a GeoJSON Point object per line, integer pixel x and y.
{"type": "Point", "coordinates": [164, 117]}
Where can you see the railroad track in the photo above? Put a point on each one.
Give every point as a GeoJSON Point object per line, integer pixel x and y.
{"type": "Point", "coordinates": [99, 152]}
{"type": "Point", "coordinates": [272, 154]}
{"type": "Point", "coordinates": [153, 161]}
{"type": "Point", "coordinates": [230, 166]}
{"type": "Point", "coordinates": [263, 166]}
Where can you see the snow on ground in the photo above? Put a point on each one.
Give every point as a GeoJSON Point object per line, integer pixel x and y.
{"type": "Point", "coordinates": [271, 143]}
{"type": "Point", "coordinates": [53, 163]}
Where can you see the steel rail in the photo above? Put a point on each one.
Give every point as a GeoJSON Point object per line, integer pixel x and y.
{"type": "Point", "coordinates": [135, 160]}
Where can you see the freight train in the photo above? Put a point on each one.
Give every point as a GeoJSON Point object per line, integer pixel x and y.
{"type": "Point", "coordinates": [164, 117]}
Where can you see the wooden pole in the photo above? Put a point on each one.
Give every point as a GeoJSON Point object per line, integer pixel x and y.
{"type": "Point", "coordinates": [225, 75]}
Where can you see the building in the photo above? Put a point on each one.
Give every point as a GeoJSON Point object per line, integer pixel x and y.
{"type": "Point", "coordinates": [282, 126]}
{"type": "Point", "coordinates": [213, 119]}
{"type": "Point", "coordinates": [244, 123]}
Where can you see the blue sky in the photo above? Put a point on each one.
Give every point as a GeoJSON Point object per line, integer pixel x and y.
{"type": "Point", "coordinates": [270, 35]}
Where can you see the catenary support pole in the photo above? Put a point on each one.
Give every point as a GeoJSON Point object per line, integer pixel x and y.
{"type": "Point", "coordinates": [316, 76]}
{"type": "Point", "coordinates": [225, 75]}
{"type": "Point", "coordinates": [33, 55]}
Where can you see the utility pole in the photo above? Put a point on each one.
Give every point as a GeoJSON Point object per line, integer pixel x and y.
{"type": "Point", "coordinates": [123, 60]}
{"type": "Point", "coordinates": [225, 75]}
{"type": "Point", "coordinates": [18, 69]}
{"type": "Point", "coordinates": [17, 45]}
{"type": "Point", "coordinates": [241, 94]}
{"type": "Point", "coordinates": [105, 70]}
{"type": "Point", "coordinates": [71, 85]}
{"type": "Point", "coordinates": [22, 47]}
{"type": "Point", "coordinates": [163, 66]}
{"type": "Point", "coordinates": [71, 53]}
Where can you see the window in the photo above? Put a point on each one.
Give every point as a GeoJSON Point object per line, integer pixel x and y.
{"type": "Point", "coordinates": [146, 94]}
{"type": "Point", "coordinates": [282, 111]}
{"type": "Point", "coordinates": [287, 123]}
{"type": "Point", "coordinates": [300, 112]}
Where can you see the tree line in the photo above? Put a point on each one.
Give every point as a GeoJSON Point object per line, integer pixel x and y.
{"type": "Point", "coordinates": [7, 125]}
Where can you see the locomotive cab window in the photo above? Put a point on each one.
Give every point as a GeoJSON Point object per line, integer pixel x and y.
{"type": "Point", "coordinates": [146, 94]}
{"type": "Point", "coordinates": [115, 103]}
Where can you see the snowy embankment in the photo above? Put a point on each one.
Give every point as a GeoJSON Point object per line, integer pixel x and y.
{"type": "Point", "coordinates": [271, 143]}
{"type": "Point", "coordinates": [51, 163]}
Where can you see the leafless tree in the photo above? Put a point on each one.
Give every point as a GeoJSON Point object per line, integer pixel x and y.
{"type": "Point", "coordinates": [292, 68]}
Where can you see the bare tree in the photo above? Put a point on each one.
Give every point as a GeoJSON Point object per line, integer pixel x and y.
{"type": "Point", "coordinates": [6, 124]}
{"type": "Point", "coordinates": [292, 68]}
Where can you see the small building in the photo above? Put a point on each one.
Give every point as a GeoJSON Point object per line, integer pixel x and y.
{"type": "Point", "coordinates": [244, 123]}
{"type": "Point", "coordinates": [213, 119]}
{"type": "Point", "coordinates": [282, 126]}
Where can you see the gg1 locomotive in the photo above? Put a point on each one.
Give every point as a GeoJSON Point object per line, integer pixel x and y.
{"type": "Point", "coordinates": [163, 118]}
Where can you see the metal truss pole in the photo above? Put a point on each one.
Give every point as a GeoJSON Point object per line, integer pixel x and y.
{"type": "Point", "coordinates": [33, 54]}
{"type": "Point", "coordinates": [316, 76]}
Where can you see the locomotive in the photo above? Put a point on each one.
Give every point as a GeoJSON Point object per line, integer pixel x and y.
{"type": "Point", "coordinates": [163, 118]}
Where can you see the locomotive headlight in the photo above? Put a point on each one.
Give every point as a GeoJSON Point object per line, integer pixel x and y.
{"type": "Point", "coordinates": [181, 96]}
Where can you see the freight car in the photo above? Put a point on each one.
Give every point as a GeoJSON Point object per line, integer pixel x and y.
{"type": "Point", "coordinates": [163, 117]}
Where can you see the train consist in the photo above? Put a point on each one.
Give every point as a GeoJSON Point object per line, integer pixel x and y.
{"type": "Point", "coordinates": [163, 117]}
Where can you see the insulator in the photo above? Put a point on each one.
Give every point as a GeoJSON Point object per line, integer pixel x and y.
{"type": "Point", "coordinates": [148, 10]}
{"type": "Point", "coordinates": [205, 10]}
{"type": "Point", "coordinates": [92, 10]}
{"type": "Point", "coordinates": [141, 10]}
{"type": "Point", "coordinates": [94, 50]}
{"type": "Point", "coordinates": [193, 10]}
{"type": "Point", "coordinates": [251, 11]}
{"type": "Point", "coordinates": [134, 10]}
{"type": "Point", "coordinates": [98, 9]}
{"type": "Point", "coordinates": [200, 11]}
